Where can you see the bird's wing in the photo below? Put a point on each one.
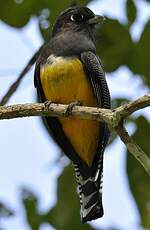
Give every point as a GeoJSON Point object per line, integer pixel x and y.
{"type": "Point", "coordinates": [96, 76]}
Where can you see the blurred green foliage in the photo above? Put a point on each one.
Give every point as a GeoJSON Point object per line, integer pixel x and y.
{"type": "Point", "coordinates": [139, 181]}
{"type": "Point", "coordinates": [131, 11]}
{"type": "Point", "coordinates": [116, 48]}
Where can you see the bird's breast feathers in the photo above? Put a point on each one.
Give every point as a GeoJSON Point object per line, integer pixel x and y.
{"type": "Point", "coordinates": [63, 80]}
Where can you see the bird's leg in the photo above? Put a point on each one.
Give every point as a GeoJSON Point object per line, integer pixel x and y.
{"type": "Point", "coordinates": [69, 109]}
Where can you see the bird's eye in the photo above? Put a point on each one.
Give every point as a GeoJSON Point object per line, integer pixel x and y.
{"type": "Point", "coordinates": [77, 18]}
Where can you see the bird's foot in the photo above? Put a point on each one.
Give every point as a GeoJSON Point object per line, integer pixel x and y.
{"type": "Point", "coordinates": [70, 107]}
{"type": "Point", "coordinates": [47, 104]}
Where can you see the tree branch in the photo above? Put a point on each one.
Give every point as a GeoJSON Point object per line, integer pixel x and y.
{"type": "Point", "coordinates": [55, 110]}
{"type": "Point", "coordinates": [16, 83]}
{"type": "Point", "coordinates": [133, 106]}
{"type": "Point", "coordinates": [113, 117]}
{"type": "Point", "coordinates": [133, 148]}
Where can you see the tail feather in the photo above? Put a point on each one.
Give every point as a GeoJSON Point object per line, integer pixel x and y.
{"type": "Point", "coordinates": [90, 183]}
{"type": "Point", "coordinates": [90, 193]}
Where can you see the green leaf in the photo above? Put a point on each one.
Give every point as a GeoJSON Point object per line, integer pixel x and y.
{"type": "Point", "coordinates": [66, 213]}
{"type": "Point", "coordinates": [5, 211]}
{"type": "Point", "coordinates": [30, 204]}
{"type": "Point", "coordinates": [138, 179]}
{"type": "Point", "coordinates": [113, 44]}
{"type": "Point", "coordinates": [14, 14]}
{"type": "Point", "coordinates": [131, 11]}
{"type": "Point", "coordinates": [139, 57]}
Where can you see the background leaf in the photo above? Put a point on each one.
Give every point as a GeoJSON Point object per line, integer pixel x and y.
{"type": "Point", "coordinates": [139, 57]}
{"type": "Point", "coordinates": [113, 44]}
{"type": "Point", "coordinates": [30, 204]}
{"type": "Point", "coordinates": [10, 8]}
{"type": "Point", "coordinates": [131, 11]}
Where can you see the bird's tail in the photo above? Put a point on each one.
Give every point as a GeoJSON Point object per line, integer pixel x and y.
{"type": "Point", "coordinates": [90, 193]}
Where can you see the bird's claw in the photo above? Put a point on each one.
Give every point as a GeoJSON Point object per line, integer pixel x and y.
{"type": "Point", "coordinates": [47, 104]}
{"type": "Point", "coordinates": [70, 107]}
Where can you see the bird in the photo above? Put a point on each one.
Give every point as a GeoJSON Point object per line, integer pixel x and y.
{"type": "Point", "coordinates": [69, 71]}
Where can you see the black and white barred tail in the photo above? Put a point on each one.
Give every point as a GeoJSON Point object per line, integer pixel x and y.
{"type": "Point", "coordinates": [90, 193]}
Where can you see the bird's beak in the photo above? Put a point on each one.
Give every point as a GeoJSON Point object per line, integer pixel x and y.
{"type": "Point", "coordinates": [96, 20]}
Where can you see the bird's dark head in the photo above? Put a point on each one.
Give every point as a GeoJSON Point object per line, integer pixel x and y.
{"type": "Point", "coordinates": [77, 19]}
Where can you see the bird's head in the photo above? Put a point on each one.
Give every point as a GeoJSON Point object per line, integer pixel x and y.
{"type": "Point", "coordinates": [77, 19]}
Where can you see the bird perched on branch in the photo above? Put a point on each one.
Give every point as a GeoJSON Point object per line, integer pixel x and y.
{"type": "Point", "coordinates": [68, 70]}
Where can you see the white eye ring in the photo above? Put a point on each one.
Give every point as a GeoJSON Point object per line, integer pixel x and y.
{"type": "Point", "coordinates": [75, 20]}
{"type": "Point", "coordinates": [72, 18]}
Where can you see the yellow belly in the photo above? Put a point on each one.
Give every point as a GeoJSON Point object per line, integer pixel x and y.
{"type": "Point", "coordinates": [64, 81]}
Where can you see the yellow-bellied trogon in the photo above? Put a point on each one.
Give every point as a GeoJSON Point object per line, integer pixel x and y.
{"type": "Point", "coordinates": [69, 70]}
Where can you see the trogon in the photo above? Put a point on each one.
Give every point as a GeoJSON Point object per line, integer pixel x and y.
{"type": "Point", "coordinates": [69, 70]}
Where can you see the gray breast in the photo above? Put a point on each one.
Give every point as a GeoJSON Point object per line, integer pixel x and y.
{"type": "Point", "coordinates": [69, 44]}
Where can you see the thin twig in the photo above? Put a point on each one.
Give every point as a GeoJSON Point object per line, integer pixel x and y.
{"type": "Point", "coordinates": [133, 148]}
{"type": "Point", "coordinates": [15, 84]}
{"type": "Point", "coordinates": [133, 106]}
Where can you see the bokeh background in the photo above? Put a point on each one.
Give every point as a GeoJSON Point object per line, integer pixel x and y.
{"type": "Point", "coordinates": [37, 182]}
